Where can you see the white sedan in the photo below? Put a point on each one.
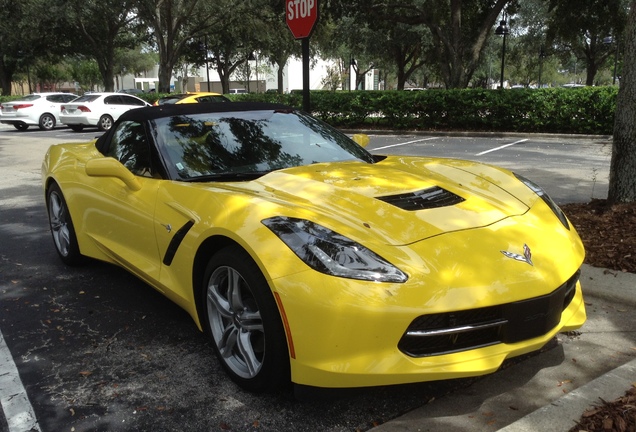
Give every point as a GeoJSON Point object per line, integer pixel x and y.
{"type": "Point", "coordinates": [98, 109]}
{"type": "Point", "coordinates": [37, 109]}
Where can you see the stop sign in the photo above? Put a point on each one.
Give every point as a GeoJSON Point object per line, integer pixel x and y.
{"type": "Point", "coordinates": [301, 17]}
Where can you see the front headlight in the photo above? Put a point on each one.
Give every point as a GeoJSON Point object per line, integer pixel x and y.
{"type": "Point", "coordinates": [331, 253]}
{"type": "Point", "coordinates": [544, 196]}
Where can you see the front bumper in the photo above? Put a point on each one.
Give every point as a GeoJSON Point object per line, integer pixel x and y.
{"type": "Point", "coordinates": [365, 352]}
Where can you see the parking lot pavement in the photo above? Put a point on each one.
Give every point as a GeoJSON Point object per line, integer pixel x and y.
{"type": "Point", "coordinates": [99, 350]}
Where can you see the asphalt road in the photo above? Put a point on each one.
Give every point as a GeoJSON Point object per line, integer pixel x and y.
{"type": "Point", "coordinates": [98, 350]}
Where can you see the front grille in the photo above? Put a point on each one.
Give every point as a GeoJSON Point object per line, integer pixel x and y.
{"type": "Point", "coordinates": [424, 199]}
{"type": "Point", "coordinates": [449, 332]}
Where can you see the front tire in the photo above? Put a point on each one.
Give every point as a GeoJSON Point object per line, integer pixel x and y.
{"type": "Point", "coordinates": [105, 122]}
{"type": "Point", "coordinates": [47, 122]}
{"type": "Point", "coordinates": [62, 229]}
{"type": "Point", "coordinates": [244, 323]}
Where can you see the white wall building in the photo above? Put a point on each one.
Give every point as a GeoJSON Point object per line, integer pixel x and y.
{"type": "Point", "coordinates": [292, 78]}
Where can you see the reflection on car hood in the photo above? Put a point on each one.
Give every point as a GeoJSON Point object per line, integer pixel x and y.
{"type": "Point", "coordinates": [356, 193]}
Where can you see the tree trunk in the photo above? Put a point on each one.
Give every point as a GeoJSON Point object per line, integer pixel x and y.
{"type": "Point", "coordinates": [6, 76]}
{"type": "Point", "coordinates": [165, 73]}
{"type": "Point", "coordinates": [108, 75]}
{"type": "Point", "coordinates": [280, 77]}
{"type": "Point", "coordinates": [622, 183]}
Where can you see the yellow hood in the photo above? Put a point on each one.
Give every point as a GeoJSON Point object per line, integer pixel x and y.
{"type": "Point", "coordinates": [345, 192]}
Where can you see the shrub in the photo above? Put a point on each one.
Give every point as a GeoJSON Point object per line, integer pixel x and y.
{"type": "Point", "coordinates": [585, 110]}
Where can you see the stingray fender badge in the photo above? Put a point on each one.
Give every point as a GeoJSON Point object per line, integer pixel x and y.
{"type": "Point", "coordinates": [526, 257]}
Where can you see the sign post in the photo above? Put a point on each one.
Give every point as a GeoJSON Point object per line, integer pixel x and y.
{"type": "Point", "coordinates": [301, 17]}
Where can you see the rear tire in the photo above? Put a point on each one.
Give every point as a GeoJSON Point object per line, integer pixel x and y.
{"type": "Point", "coordinates": [241, 316]}
{"type": "Point", "coordinates": [105, 122]}
{"type": "Point", "coordinates": [62, 228]}
{"type": "Point", "coordinates": [21, 126]}
{"type": "Point", "coordinates": [76, 128]}
{"type": "Point", "coordinates": [47, 121]}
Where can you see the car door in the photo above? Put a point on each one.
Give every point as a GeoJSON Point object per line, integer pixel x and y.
{"type": "Point", "coordinates": [120, 219]}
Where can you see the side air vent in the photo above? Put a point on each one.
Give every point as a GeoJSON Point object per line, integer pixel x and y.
{"type": "Point", "coordinates": [425, 199]}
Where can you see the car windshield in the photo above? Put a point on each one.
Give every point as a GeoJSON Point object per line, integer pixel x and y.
{"type": "Point", "coordinates": [247, 144]}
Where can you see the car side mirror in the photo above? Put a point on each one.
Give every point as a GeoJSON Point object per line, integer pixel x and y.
{"type": "Point", "coordinates": [110, 167]}
{"type": "Point", "coordinates": [361, 139]}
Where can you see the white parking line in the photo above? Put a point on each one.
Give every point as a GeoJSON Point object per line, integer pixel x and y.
{"type": "Point", "coordinates": [18, 411]}
{"type": "Point", "coordinates": [502, 147]}
{"type": "Point", "coordinates": [406, 143]}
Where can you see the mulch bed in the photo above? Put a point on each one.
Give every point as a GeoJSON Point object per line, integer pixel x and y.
{"type": "Point", "coordinates": [609, 235]}
{"type": "Point", "coordinates": [615, 416]}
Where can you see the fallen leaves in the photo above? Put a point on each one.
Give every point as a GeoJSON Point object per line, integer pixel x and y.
{"type": "Point", "coordinates": [608, 233]}
{"type": "Point", "coordinates": [616, 416]}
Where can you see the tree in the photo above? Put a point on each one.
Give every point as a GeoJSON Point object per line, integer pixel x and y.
{"type": "Point", "coordinates": [459, 29]}
{"type": "Point", "coordinates": [277, 44]}
{"type": "Point", "coordinates": [622, 182]}
{"type": "Point", "coordinates": [30, 30]}
{"type": "Point", "coordinates": [51, 76]}
{"type": "Point", "coordinates": [10, 17]}
{"type": "Point", "coordinates": [408, 47]}
{"type": "Point", "coordinates": [527, 52]}
{"type": "Point", "coordinates": [401, 48]}
{"type": "Point", "coordinates": [85, 73]}
{"type": "Point", "coordinates": [176, 23]}
{"type": "Point", "coordinates": [226, 54]}
{"type": "Point", "coordinates": [583, 28]}
{"type": "Point", "coordinates": [99, 28]}
{"type": "Point", "coordinates": [133, 61]}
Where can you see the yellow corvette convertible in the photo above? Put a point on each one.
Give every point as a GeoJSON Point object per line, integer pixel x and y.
{"type": "Point", "coordinates": [308, 259]}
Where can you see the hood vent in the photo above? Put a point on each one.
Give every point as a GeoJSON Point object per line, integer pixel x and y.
{"type": "Point", "coordinates": [425, 199]}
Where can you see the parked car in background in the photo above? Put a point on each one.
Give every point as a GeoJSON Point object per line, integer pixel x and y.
{"type": "Point", "coordinates": [194, 97]}
{"type": "Point", "coordinates": [131, 91]}
{"type": "Point", "coordinates": [37, 109]}
{"type": "Point", "coordinates": [98, 109]}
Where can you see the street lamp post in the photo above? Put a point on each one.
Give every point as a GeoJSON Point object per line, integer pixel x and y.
{"type": "Point", "coordinates": [352, 70]}
{"type": "Point", "coordinates": [502, 30]}
{"type": "Point", "coordinates": [207, 62]}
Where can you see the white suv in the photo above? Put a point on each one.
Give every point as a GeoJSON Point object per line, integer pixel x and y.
{"type": "Point", "coordinates": [37, 109]}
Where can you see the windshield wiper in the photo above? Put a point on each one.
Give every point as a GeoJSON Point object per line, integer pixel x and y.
{"type": "Point", "coordinates": [227, 176]}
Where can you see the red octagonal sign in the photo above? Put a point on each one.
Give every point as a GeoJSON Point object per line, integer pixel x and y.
{"type": "Point", "coordinates": [301, 17]}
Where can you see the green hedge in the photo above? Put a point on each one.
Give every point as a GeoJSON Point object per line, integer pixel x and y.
{"type": "Point", "coordinates": [585, 110]}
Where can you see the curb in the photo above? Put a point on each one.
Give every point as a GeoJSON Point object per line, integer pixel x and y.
{"type": "Point", "coordinates": [562, 414]}
{"type": "Point", "coordinates": [478, 134]}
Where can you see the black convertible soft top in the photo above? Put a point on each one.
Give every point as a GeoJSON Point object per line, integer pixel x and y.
{"type": "Point", "coordinates": [161, 111]}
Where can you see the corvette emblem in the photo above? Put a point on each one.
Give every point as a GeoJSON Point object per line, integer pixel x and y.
{"type": "Point", "coordinates": [526, 257]}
